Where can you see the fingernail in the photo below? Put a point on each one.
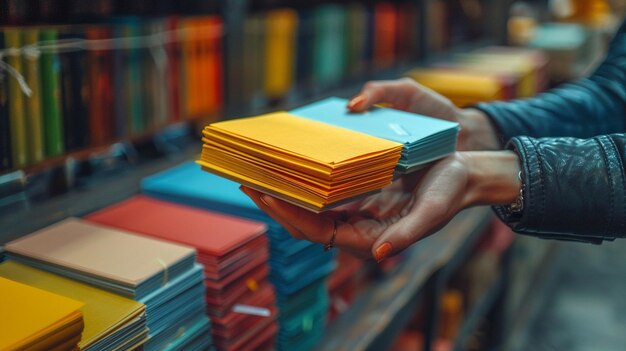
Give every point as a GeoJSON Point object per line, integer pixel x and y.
{"type": "Point", "coordinates": [263, 199]}
{"type": "Point", "coordinates": [359, 99]}
{"type": "Point", "coordinates": [382, 251]}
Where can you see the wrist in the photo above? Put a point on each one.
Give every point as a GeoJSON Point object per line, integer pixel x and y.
{"type": "Point", "coordinates": [477, 132]}
{"type": "Point", "coordinates": [493, 177]}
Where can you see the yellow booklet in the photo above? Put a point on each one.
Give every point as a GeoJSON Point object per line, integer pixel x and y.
{"type": "Point", "coordinates": [105, 314]}
{"type": "Point", "coordinates": [309, 163]}
{"type": "Point", "coordinates": [35, 319]}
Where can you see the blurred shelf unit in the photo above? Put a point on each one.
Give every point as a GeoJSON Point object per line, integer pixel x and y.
{"type": "Point", "coordinates": [79, 76]}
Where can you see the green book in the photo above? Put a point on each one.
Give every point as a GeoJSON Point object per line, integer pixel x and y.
{"type": "Point", "coordinates": [19, 146]}
{"type": "Point", "coordinates": [33, 112]}
{"type": "Point", "coordinates": [51, 98]}
{"type": "Point", "coordinates": [329, 45]}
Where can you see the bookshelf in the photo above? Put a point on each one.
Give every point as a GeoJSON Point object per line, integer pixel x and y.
{"type": "Point", "coordinates": [92, 176]}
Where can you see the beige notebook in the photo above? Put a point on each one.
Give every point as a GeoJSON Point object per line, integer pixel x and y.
{"type": "Point", "coordinates": [99, 251]}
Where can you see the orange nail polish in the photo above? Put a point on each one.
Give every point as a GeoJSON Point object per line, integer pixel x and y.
{"type": "Point", "coordinates": [382, 251]}
{"type": "Point", "coordinates": [356, 101]}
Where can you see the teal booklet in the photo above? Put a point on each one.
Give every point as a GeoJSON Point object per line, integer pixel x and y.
{"type": "Point", "coordinates": [425, 139]}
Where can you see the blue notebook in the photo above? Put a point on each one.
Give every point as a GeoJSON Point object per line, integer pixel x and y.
{"type": "Point", "coordinates": [425, 139]}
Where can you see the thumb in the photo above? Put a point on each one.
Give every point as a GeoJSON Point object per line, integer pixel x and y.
{"type": "Point", "coordinates": [397, 237]}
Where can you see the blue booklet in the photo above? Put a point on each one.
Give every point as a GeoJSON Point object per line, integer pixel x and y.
{"type": "Point", "coordinates": [425, 139]}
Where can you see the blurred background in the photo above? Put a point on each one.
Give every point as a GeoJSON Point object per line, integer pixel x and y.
{"type": "Point", "coordinates": [97, 95]}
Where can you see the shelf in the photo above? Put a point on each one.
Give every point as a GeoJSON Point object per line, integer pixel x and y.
{"type": "Point", "coordinates": [384, 308]}
{"type": "Point", "coordinates": [480, 310]}
{"type": "Point", "coordinates": [27, 216]}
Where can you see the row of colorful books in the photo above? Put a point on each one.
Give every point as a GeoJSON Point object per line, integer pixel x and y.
{"type": "Point", "coordinates": [93, 84]}
{"type": "Point", "coordinates": [291, 52]}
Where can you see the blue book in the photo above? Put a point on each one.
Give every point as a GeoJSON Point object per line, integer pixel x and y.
{"type": "Point", "coordinates": [425, 139]}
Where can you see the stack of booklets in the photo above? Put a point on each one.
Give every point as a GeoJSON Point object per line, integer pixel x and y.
{"type": "Point", "coordinates": [308, 163]}
{"type": "Point", "coordinates": [462, 87]}
{"type": "Point", "coordinates": [234, 254]}
{"type": "Point", "coordinates": [294, 264]}
{"type": "Point", "coordinates": [35, 319]}
{"type": "Point", "coordinates": [162, 275]}
{"type": "Point", "coordinates": [424, 139]}
{"type": "Point", "coordinates": [111, 322]}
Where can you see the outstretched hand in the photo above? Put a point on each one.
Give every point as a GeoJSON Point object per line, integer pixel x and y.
{"type": "Point", "coordinates": [382, 224]}
{"type": "Point", "coordinates": [413, 207]}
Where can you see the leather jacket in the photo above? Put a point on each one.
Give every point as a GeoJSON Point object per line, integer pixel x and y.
{"type": "Point", "coordinates": [572, 148]}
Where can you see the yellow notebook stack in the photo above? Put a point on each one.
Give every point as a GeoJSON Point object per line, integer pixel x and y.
{"type": "Point", "coordinates": [463, 88]}
{"type": "Point", "coordinates": [34, 319]}
{"type": "Point", "coordinates": [112, 322]}
{"type": "Point", "coordinates": [308, 163]}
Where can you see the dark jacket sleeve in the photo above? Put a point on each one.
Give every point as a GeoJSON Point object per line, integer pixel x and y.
{"type": "Point", "coordinates": [574, 189]}
{"type": "Point", "coordinates": [573, 175]}
{"type": "Point", "coordinates": [592, 106]}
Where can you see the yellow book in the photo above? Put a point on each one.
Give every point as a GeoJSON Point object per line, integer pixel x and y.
{"type": "Point", "coordinates": [520, 66]}
{"type": "Point", "coordinates": [104, 313]}
{"type": "Point", "coordinates": [280, 51]}
{"type": "Point", "coordinates": [33, 110]}
{"type": "Point", "coordinates": [35, 319]}
{"type": "Point", "coordinates": [306, 162]}
{"type": "Point", "coordinates": [19, 138]}
{"type": "Point", "coordinates": [462, 87]}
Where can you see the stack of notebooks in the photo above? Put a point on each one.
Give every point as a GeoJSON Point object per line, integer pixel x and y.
{"type": "Point", "coordinates": [35, 319]}
{"type": "Point", "coordinates": [234, 254]}
{"type": "Point", "coordinates": [162, 275]}
{"type": "Point", "coordinates": [295, 265]}
{"type": "Point", "coordinates": [111, 322]}
{"type": "Point", "coordinates": [308, 163]}
{"type": "Point", "coordinates": [424, 139]}
{"type": "Point", "coordinates": [462, 87]}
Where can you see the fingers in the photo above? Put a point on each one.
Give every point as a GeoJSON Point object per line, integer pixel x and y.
{"type": "Point", "coordinates": [355, 235]}
{"type": "Point", "coordinates": [256, 197]}
{"type": "Point", "coordinates": [398, 93]}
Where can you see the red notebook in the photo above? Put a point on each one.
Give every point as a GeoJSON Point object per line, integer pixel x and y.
{"type": "Point", "coordinates": [210, 233]}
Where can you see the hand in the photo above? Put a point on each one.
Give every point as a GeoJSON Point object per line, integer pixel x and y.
{"type": "Point", "coordinates": [413, 207]}
{"type": "Point", "coordinates": [477, 132]}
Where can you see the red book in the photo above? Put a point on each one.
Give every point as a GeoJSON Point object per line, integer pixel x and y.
{"type": "Point", "coordinates": [385, 33]}
{"type": "Point", "coordinates": [100, 69]}
{"type": "Point", "coordinates": [210, 233]}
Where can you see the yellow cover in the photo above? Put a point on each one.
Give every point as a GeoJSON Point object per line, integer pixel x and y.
{"type": "Point", "coordinates": [280, 51]}
{"type": "Point", "coordinates": [461, 87]}
{"type": "Point", "coordinates": [103, 312]}
{"type": "Point", "coordinates": [34, 319]}
{"type": "Point", "coordinates": [309, 163]}
{"type": "Point", "coordinates": [33, 109]}
{"type": "Point", "coordinates": [19, 138]}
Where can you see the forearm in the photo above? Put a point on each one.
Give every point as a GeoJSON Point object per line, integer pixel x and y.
{"type": "Point", "coordinates": [492, 177]}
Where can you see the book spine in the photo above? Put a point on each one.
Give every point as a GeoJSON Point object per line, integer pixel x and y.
{"type": "Point", "coordinates": [34, 119]}
{"type": "Point", "coordinates": [5, 128]}
{"type": "Point", "coordinates": [75, 95]}
{"type": "Point", "coordinates": [19, 142]}
{"type": "Point", "coordinates": [280, 51]}
{"type": "Point", "coordinates": [101, 121]}
{"type": "Point", "coordinates": [173, 75]}
{"type": "Point", "coordinates": [51, 98]}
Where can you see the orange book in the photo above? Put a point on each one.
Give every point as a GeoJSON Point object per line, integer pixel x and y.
{"type": "Point", "coordinates": [202, 65]}
{"type": "Point", "coordinates": [385, 34]}
{"type": "Point", "coordinates": [100, 67]}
